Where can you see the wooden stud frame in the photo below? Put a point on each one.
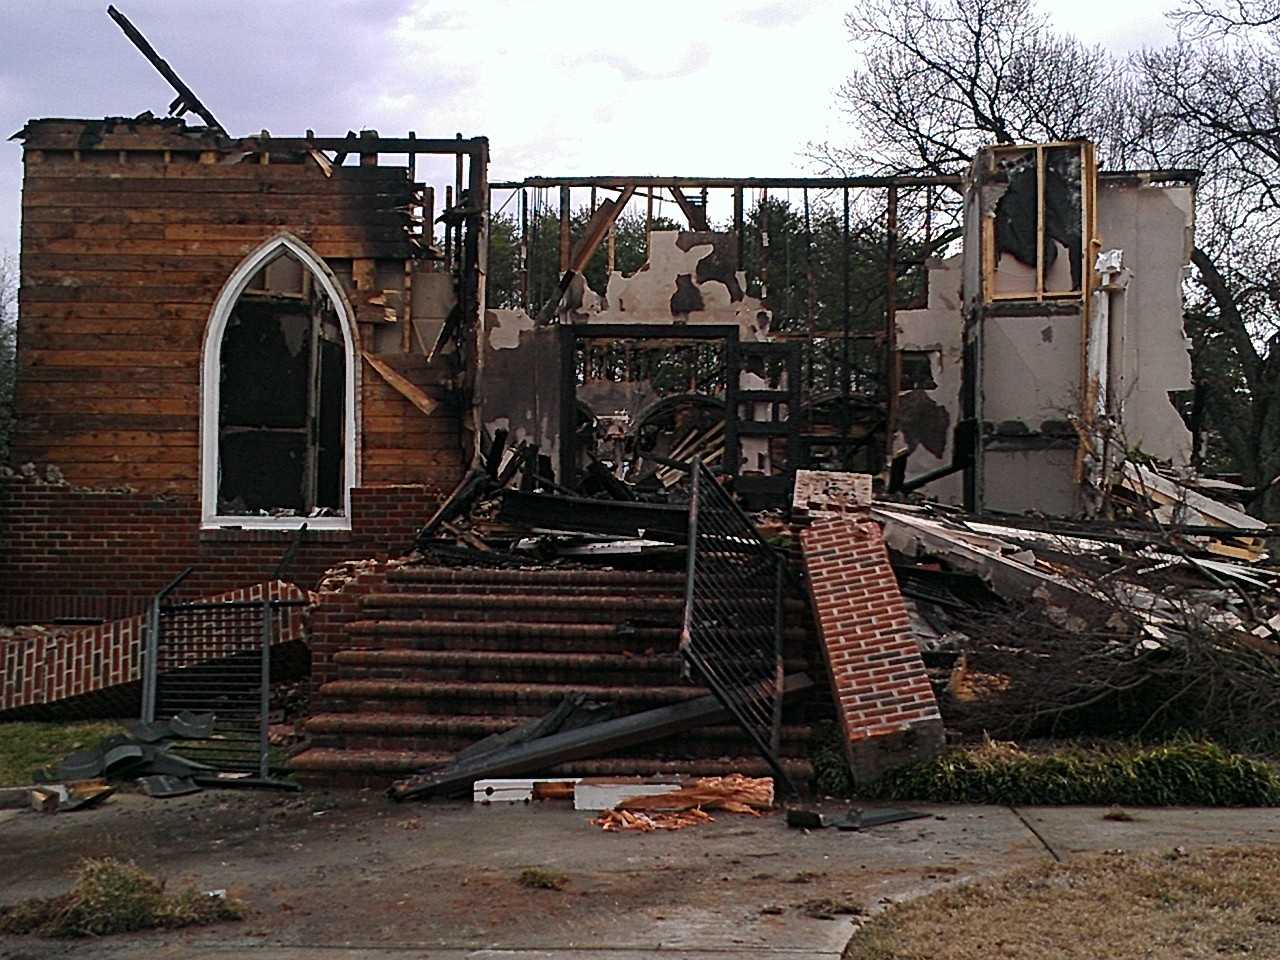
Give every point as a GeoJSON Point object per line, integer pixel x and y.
{"type": "Point", "coordinates": [1088, 199]}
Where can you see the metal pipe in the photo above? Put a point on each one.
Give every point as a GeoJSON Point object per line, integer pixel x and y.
{"type": "Point", "coordinates": [844, 338]}
{"type": "Point", "coordinates": [893, 368]}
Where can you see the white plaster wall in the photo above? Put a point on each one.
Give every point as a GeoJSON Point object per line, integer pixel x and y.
{"type": "Point", "coordinates": [938, 327]}
{"type": "Point", "coordinates": [1153, 226]}
{"type": "Point", "coordinates": [645, 296]}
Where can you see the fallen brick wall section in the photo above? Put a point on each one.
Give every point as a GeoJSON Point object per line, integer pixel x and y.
{"type": "Point", "coordinates": [886, 705]}
{"type": "Point", "coordinates": [38, 668]}
{"type": "Point", "coordinates": [70, 552]}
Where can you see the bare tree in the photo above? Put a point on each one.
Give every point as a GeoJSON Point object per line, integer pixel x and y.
{"type": "Point", "coordinates": [8, 348]}
{"type": "Point", "coordinates": [1213, 102]}
{"type": "Point", "coordinates": [935, 79]}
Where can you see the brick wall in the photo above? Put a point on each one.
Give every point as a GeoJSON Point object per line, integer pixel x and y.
{"type": "Point", "coordinates": [883, 697]}
{"type": "Point", "coordinates": [334, 606]}
{"type": "Point", "coordinates": [69, 552]}
{"type": "Point", "coordinates": [44, 667]}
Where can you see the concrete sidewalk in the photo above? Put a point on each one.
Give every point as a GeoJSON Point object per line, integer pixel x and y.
{"type": "Point", "coordinates": [351, 876]}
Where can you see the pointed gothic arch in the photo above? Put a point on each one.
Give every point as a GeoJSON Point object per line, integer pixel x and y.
{"type": "Point", "coordinates": [278, 402]}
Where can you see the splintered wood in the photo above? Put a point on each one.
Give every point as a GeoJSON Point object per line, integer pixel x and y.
{"type": "Point", "coordinates": [687, 806]}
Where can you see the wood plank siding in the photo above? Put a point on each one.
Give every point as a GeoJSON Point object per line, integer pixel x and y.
{"type": "Point", "coordinates": [129, 231]}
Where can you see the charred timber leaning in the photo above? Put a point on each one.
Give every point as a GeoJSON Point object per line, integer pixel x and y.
{"type": "Point", "coordinates": [186, 98]}
{"type": "Point", "coordinates": [585, 742]}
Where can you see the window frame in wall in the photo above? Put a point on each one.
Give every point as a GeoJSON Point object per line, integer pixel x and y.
{"type": "Point", "coordinates": [211, 427]}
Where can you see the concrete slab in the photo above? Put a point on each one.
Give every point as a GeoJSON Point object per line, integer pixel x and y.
{"type": "Point", "coordinates": [1074, 830]}
{"type": "Point", "coordinates": [351, 876]}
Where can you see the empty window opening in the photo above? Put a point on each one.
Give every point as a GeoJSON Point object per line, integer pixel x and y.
{"type": "Point", "coordinates": [278, 423]}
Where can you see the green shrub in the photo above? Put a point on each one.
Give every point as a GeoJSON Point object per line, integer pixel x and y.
{"type": "Point", "coordinates": [1180, 773]}
{"type": "Point", "coordinates": [831, 775]}
{"type": "Point", "coordinates": [113, 897]}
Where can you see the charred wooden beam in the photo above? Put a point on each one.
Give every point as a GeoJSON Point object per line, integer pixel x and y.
{"type": "Point", "coordinates": [652, 521]}
{"type": "Point", "coordinates": [186, 99]}
{"type": "Point", "coordinates": [603, 218]}
{"type": "Point", "coordinates": [696, 215]}
{"type": "Point", "coordinates": [589, 741]}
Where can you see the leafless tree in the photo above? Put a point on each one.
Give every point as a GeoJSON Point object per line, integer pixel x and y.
{"type": "Point", "coordinates": [935, 79]}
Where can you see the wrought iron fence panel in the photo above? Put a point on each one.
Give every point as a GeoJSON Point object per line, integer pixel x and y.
{"type": "Point", "coordinates": [733, 617]}
{"type": "Point", "coordinates": [215, 657]}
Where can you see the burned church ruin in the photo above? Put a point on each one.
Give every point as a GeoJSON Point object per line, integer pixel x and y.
{"type": "Point", "coordinates": [281, 358]}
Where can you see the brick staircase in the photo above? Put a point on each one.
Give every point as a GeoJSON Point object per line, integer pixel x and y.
{"type": "Point", "coordinates": [437, 658]}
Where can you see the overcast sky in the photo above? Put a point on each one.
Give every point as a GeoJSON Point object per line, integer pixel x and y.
{"type": "Point", "coordinates": [708, 88]}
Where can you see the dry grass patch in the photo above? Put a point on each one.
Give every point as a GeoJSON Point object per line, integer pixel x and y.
{"type": "Point", "coordinates": [113, 897]}
{"type": "Point", "coordinates": [1211, 903]}
{"type": "Point", "coordinates": [537, 878]}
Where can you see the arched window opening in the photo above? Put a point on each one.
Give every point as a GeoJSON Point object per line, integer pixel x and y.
{"type": "Point", "coordinates": [279, 417]}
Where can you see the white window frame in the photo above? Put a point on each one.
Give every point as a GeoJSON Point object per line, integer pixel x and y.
{"type": "Point", "coordinates": [211, 381]}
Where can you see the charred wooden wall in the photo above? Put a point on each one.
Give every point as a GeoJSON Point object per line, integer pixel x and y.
{"type": "Point", "coordinates": [129, 231]}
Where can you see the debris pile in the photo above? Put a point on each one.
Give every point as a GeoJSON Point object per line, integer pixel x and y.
{"type": "Point", "coordinates": [510, 512]}
{"type": "Point", "coordinates": [1032, 620]}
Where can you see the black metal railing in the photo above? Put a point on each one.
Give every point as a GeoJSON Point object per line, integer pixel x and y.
{"type": "Point", "coordinates": [733, 616]}
{"type": "Point", "coordinates": [214, 657]}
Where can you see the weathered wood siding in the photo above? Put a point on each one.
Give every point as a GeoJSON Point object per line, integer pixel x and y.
{"type": "Point", "coordinates": [128, 234]}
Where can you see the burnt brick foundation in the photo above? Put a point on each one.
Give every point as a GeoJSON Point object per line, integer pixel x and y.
{"type": "Point", "coordinates": [67, 552]}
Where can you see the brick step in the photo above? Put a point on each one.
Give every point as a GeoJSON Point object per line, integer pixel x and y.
{"type": "Point", "coordinates": [516, 636]}
{"type": "Point", "coordinates": [529, 590]}
{"type": "Point", "coordinates": [730, 741]}
{"type": "Point", "coordinates": [485, 666]}
{"type": "Point", "coordinates": [378, 768]}
{"type": "Point", "coordinates": [570, 579]}
{"type": "Point", "coordinates": [506, 699]}
{"type": "Point", "coordinates": [529, 608]}
{"type": "Point", "coordinates": [460, 732]}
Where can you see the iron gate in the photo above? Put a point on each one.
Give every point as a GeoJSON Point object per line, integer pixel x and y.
{"type": "Point", "coordinates": [733, 616]}
{"type": "Point", "coordinates": [215, 658]}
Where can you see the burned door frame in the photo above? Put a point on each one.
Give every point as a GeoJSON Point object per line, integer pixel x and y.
{"type": "Point", "coordinates": [210, 385]}
{"type": "Point", "coordinates": [762, 491]}
{"type": "Point", "coordinates": [727, 333]}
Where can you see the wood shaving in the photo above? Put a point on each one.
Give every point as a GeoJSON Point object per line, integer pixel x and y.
{"type": "Point", "coordinates": [685, 807]}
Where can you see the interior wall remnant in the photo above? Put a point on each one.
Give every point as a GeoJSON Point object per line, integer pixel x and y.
{"type": "Point", "coordinates": [1037, 200]}
{"type": "Point", "coordinates": [1018, 366]}
{"type": "Point", "coordinates": [521, 390]}
{"type": "Point", "coordinates": [927, 417]}
{"type": "Point", "coordinates": [688, 278]}
{"type": "Point", "coordinates": [1153, 225]}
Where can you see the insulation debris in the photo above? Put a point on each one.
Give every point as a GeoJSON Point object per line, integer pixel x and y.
{"type": "Point", "coordinates": [615, 820]}
{"type": "Point", "coordinates": [687, 806]}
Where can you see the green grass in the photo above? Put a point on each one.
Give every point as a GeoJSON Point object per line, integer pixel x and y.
{"type": "Point", "coordinates": [1184, 772]}
{"type": "Point", "coordinates": [114, 897]}
{"type": "Point", "coordinates": [24, 747]}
